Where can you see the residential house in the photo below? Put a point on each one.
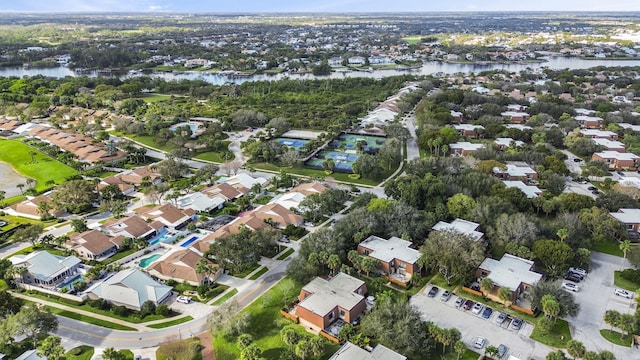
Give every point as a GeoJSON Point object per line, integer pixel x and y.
{"type": "Point", "coordinates": [530, 191]}
{"type": "Point", "coordinates": [584, 112]}
{"type": "Point", "coordinates": [504, 143]}
{"type": "Point", "coordinates": [461, 226]}
{"type": "Point", "coordinates": [309, 188]}
{"type": "Point", "coordinates": [277, 215]}
{"type": "Point", "coordinates": [618, 160]}
{"type": "Point", "coordinates": [94, 245]}
{"type": "Point", "coordinates": [350, 351]}
{"type": "Point", "coordinates": [289, 200]}
{"type": "Point", "coordinates": [31, 355]}
{"type": "Point", "coordinates": [45, 269]}
{"type": "Point", "coordinates": [130, 288]}
{"type": "Point", "coordinates": [200, 202]}
{"type": "Point", "coordinates": [248, 221]}
{"type": "Point", "coordinates": [29, 207]}
{"type": "Point", "coordinates": [133, 227]}
{"type": "Point", "coordinates": [519, 127]}
{"type": "Point", "coordinates": [243, 180]}
{"type": "Point", "coordinates": [468, 130]}
{"type": "Point", "coordinates": [464, 148]}
{"type": "Point", "coordinates": [514, 273]}
{"type": "Point", "coordinates": [125, 188]}
{"type": "Point", "coordinates": [167, 214]}
{"type": "Point", "coordinates": [225, 191]}
{"type": "Point", "coordinates": [631, 220]}
{"type": "Point", "coordinates": [456, 117]}
{"type": "Point", "coordinates": [515, 172]}
{"type": "Point", "coordinates": [516, 117]}
{"type": "Point", "coordinates": [139, 176]}
{"type": "Point", "coordinates": [589, 122]}
{"type": "Point", "coordinates": [398, 259]}
{"type": "Point", "coordinates": [322, 301]}
{"type": "Point", "coordinates": [610, 145]}
{"type": "Point", "coordinates": [599, 134]}
{"type": "Point", "coordinates": [181, 265]}
{"type": "Point", "coordinates": [634, 128]}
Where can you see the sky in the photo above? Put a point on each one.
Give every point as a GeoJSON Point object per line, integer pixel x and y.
{"type": "Point", "coordinates": [337, 6]}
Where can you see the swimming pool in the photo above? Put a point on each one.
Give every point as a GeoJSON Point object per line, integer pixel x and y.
{"type": "Point", "coordinates": [144, 262]}
{"type": "Point", "coordinates": [189, 242]}
{"type": "Point", "coordinates": [69, 284]}
{"type": "Point", "coordinates": [192, 127]}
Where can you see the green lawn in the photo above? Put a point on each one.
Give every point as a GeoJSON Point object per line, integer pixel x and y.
{"type": "Point", "coordinates": [149, 141]}
{"type": "Point", "coordinates": [557, 337]}
{"type": "Point", "coordinates": [305, 171]}
{"type": "Point", "coordinates": [285, 254]}
{"type": "Point", "coordinates": [215, 156]}
{"type": "Point", "coordinates": [171, 323]}
{"type": "Point", "coordinates": [608, 247]}
{"type": "Point", "coordinates": [82, 352]}
{"type": "Point", "coordinates": [176, 349]}
{"type": "Point", "coordinates": [623, 283]}
{"type": "Point", "coordinates": [89, 319]}
{"type": "Point", "coordinates": [265, 325]}
{"type": "Point", "coordinates": [246, 272]}
{"type": "Point", "coordinates": [152, 98]}
{"type": "Point", "coordinates": [413, 39]}
{"type": "Point", "coordinates": [259, 273]}
{"type": "Point", "coordinates": [45, 168]}
{"type": "Point", "coordinates": [128, 354]}
{"type": "Point", "coordinates": [440, 282]}
{"type": "Point", "coordinates": [616, 337]}
{"type": "Point", "coordinates": [225, 297]}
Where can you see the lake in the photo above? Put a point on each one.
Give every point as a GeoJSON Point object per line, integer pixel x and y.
{"type": "Point", "coordinates": [9, 179]}
{"type": "Point", "coordinates": [428, 68]}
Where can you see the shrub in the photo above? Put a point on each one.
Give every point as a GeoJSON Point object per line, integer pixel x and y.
{"type": "Point", "coordinates": [632, 275]}
{"type": "Point", "coordinates": [120, 311]}
{"type": "Point", "coordinates": [170, 282]}
{"type": "Point", "coordinates": [162, 310]}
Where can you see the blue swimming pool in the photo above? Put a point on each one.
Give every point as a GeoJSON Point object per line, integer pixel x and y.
{"type": "Point", "coordinates": [69, 283]}
{"type": "Point", "coordinates": [189, 242]}
{"type": "Point", "coordinates": [144, 262]}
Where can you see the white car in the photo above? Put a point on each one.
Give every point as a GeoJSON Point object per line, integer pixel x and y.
{"type": "Point", "coordinates": [477, 308]}
{"type": "Point", "coordinates": [479, 343]}
{"type": "Point", "coordinates": [570, 286]}
{"type": "Point", "coordinates": [580, 271]}
{"type": "Point", "coordinates": [624, 293]}
{"type": "Point", "coordinates": [183, 299]}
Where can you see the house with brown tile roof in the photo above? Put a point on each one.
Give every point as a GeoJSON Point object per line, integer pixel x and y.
{"type": "Point", "coordinates": [124, 188]}
{"type": "Point", "coordinates": [181, 266]}
{"type": "Point", "coordinates": [278, 215]}
{"type": "Point", "coordinates": [94, 245]}
{"type": "Point", "coordinates": [310, 188]}
{"type": "Point", "coordinates": [133, 227]}
{"type": "Point", "coordinates": [29, 207]}
{"type": "Point", "coordinates": [248, 221]}
{"type": "Point", "coordinates": [169, 215]}
{"type": "Point", "coordinates": [137, 176]}
{"type": "Point", "coordinates": [226, 191]}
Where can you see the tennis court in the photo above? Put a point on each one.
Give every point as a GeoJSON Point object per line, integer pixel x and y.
{"type": "Point", "coordinates": [294, 143]}
{"type": "Point", "coordinates": [341, 161]}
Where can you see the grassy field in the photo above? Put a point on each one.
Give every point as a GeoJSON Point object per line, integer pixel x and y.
{"type": "Point", "coordinates": [153, 98]}
{"type": "Point", "coordinates": [440, 282]}
{"type": "Point", "coordinates": [225, 297]}
{"type": "Point", "coordinates": [89, 319]}
{"type": "Point", "coordinates": [178, 349]}
{"type": "Point", "coordinates": [259, 273]}
{"type": "Point", "coordinates": [285, 254]}
{"type": "Point", "coordinates": [622, 283]}
{"type": "Point", "coordinates": [304, 171]}
{"type": "Point", "coordinates": [413, 39]}
{"type": "Point", "coordinates": [17, 154]}
{"type": "Point", "coordinates": [82, 352]}
{"type": "Point", "coordinates": [608, 247]}
{"type": "Point", "coordinates": [616, 338]}
{"type": "Point", "coordinates": [215, 156]}
{"type": "Point", "coordinates": [265, 325]}
{"type": "Point", "coordinates": [171, 323]}
{"type": "Point", "coordinates": [557, 337]}
{"type": "Point", "coordinates": [244, 274]}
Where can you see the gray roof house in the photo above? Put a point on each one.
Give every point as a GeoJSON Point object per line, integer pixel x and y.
{"type": "Point", "coordinates": [130, 288]}
{"type": "Point", "coordinates": [31, 355]}
{"type": "Point", "coordinates": [350, 351]}
{"type": "Point", "coordinates": [510, 271]}
{"type": "Point", "coordinates": [45, 269]}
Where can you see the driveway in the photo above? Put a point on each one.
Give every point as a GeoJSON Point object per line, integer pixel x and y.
{"type": "Point", "coordinates": [595, 298]}
{"type": "Point", "coordinates": [446, 315]}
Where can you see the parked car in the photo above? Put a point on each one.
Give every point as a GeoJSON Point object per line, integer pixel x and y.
{"type": "Point", "coordinates": [479, 343]}
{"type": "Point", "coordinates": [623, 293]}
{"type": "Point", "coordinates": [2, 223]}
{"type": "Point", "coordinates": [477, 308]}
{"type": "Point", "coordinates": [572, 277]}
{"type": "Point", "coordinates": [502, 350]}
{"type": "Point", "coordinates": [577, 159]}
{"type": "Point", "coordinates": [595, 192]}
{"type": "Point", "coordinates": [459, 301]}
{"type": "Point", "coordinates": [445, 295]}
{"type": "Point", "coordinates": [487, 312]}
{"type": "Point", "coordinates": [433, 292]}
{"type": "Point", "coordinates": [620, 173]}
{"type": "Point", "coordinates": [284, 239]}
{"type": "Point", "coordinates": [592, 188]}
{"type": "Point", "coordinates": [580, 271]}
{"type": "Point", "coordinates": [183, 299]}
{"type": "Point", "coordinates": [468, 304]}
{"type": "Point", "coordinates": [501, 318]}
{"type": "Point", "coordinates": [516, 324]}
{"type": "Point", "coordinates": [570, 286]}
{"type": "Point", "coordinates": [138, 357]}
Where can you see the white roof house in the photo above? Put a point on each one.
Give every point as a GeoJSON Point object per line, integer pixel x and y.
{"type": "Point", "coordinates": [610, 145]}
{"type": "Point", "coordinates": [340, 291]}
{"type": "Point", "coordinates": [595, 133]}
{"type": "Point", "coordinates": [200, 202]}
{"type": "Point", "coordinates": [515, 171]}
{"type": "Point", "coordinates": [350, 351]}
{"type": "Point", "coordinates": [45, 267]}
{"type": "Point", "coordinates": [584, 112]}
{"type": "Point", "coordinates": [394, 248]}
{"type": "Point", "coordinates": [131, 288]}
{"type": "Point", "coordinates": [460, 226]}
{"type": "Point", "coordinates": [31, 355]}
{"type": "Point", "coordinates": [617, 155]}
{"type": "Point", "coordinates": [627, 216]}
{"type": "Point", "coordinates": [244, 180]}
{"type": "Point", "coordinates": [467, 127]}
{"type": "Point", "coordinates": [290, 200]}
{"type": "Point", "coordinates": [635, 128]}
{"type": "Point", "coordinates": [465, 146]}
{"type": "Point", "coordinates": [518, 126]}
{"type": "Point", "coordinates": [511, 271]}
{"type": "Point", "coordinates": [529, 190]}
{"type": "Point", "coordinates": [507, 142]}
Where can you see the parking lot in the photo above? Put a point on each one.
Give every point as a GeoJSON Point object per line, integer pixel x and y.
{"type": "Point", "coordinates": [447, 315]}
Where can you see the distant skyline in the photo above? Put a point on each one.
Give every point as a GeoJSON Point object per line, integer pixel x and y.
{"type": "Point", "coordinates": [334, 6]}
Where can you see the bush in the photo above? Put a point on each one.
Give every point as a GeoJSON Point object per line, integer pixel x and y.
{"type": "Point", "coordinates": [632, 275]}
{"type": "Point", "coordinates": [163, 310]}
{"type": "Point", "coordinates": [121, 311]}
{"type": "Point", "coordinates": [99, 304]}
{"type": "Point", "coordinates": [75, 351]}
{"type": "Point", "coordinates": [170, 282]}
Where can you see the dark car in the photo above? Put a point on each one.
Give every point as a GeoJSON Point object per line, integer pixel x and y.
{"type": "Point", "coordinates": [516, 324]}
{"type": "Point", "coordinates": [502, 350]}
{"type": "Point", "coordinates": [459, 301]}
{"type": "Point", "coordinates": [592, 188]}
{"type": "Point", "coordinates": [433, 292]}
{"type": "Point", "coordinates": [487, 312]}
{"type": "Point", "coordinates": [468, 304]}
{"type": "Point", "coordinates": [577, 159]}
{"type": "Point", "coordinates": [595, 192]}
{"type": "Point", "coordinates": [572, 277]}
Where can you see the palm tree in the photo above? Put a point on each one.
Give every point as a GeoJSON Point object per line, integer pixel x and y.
{"type": "Point", "coordinates": [20, 186]}
{"type": "Point", "coordinates": [459, 348]}
{"type": "Point", "coordinates": [43, 209]}
{"type": "Point", "coordinates": [486, 285]}
{"type": "Point", "coordinates": [625, 246]}
{"type": "Point", "coordinates": [576, 349]}
{"type": "Point", "coordinates": [33, 156]}
{"type": "Point", "coordinates": [2, 197]}
{"type": "Point", "coordinates": [562, 234]}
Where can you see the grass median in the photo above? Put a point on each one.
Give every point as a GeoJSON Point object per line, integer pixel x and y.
{"type": "Point", "coordinates": [88, 319]}
{"type": "Point", "coordinates": [171, 323]}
